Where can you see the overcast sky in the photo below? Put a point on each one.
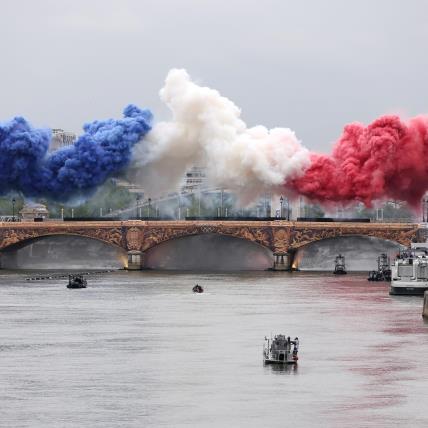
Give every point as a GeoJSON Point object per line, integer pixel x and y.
{"type": "Point", "coordinates": [309, 65]}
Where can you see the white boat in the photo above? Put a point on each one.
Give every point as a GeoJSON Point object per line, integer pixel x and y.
{"type": "Point", "coordinates": [410, 271]}
{"type": "Point", "coordinates": [279, 350]}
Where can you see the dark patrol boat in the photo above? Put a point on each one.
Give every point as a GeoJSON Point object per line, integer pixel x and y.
{"type": "Point", "coordinates": [383, 272]}
{"type": "Point", "coordinates": [197, 289]}
{"type": "Point", "coordinates": [76, 281]}
{"type": "Point", "coordinates": [339, 265]}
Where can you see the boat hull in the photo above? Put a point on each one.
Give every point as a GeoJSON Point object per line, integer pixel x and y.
{"type": "Point", "coordinates": [280, 362]}
{"type": "Point", "coordinates": [407, 290]}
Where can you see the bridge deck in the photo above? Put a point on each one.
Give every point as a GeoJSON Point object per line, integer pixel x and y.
{"type": "Point", "coordinates": [280, 236]}
{"type": "Point", "coordinates": [186, 223]}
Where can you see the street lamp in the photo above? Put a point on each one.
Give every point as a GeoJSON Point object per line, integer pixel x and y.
{"type": "Point", "coordinates": [138, 204]}
{"type": "Point", "coordinates": [149, 207]}
{"type": "Point", "coordinates": [281, 200]}
{"type": "Point", "coordinates": [288, 209]}
{"type": "Point", "coordinates": [13, 209]}
{"type": "Point", "coordinates": [426, 209]}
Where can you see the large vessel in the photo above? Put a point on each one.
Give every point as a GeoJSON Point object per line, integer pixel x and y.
{"type": "Point", "coordinates": [278, 350]}
{"type": "Point", "coordinates": [410, 271]}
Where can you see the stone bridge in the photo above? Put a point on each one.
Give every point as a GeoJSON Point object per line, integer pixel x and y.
{"type": "Point", "coordinates": [136, 237]}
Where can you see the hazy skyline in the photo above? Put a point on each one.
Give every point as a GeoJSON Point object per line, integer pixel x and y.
{"type": "Point", "coordinates": [311, 66]}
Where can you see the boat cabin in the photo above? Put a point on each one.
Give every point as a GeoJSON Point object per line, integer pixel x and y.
{"type": "Point", "coordinates": [280, 349]}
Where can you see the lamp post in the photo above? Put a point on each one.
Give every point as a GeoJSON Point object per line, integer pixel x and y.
{"type": "Point", "coordinates": [288, 209]}
{"type": "Point", "coordinates": [281, 200]}
{"type": "Point", "coordinates": [179, 206]}
{"type": "Point", "coordinates": [13, 209]}
{"type": "Point", "coordinates": [149, 207]}
{"type": "Point", "coordinates": [138, 203]}
{"type": "Point", "coordinates": [425, 209]}
{"type": "Point", "coordinates": [268, 204]}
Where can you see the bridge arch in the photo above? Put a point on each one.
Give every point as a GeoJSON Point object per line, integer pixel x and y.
{"type": "Point", "coordinates": [63, 251]}
{"type": "Point", "coordinates": [154, 237]}
{"type": "Point", "coordinates": [360, 251]}
{"type": "Point", "coordinates": [304, 237]}
{"type": "Point", "coordinates": [12, 236]}
{"type": "Point", "coordinates": [32, 239]}
{"type": "Point", "coordinates": [208, 251]}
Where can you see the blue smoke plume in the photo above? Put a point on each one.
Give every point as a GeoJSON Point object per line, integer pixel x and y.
{"type": "Point", "coordinates": [103, 150]}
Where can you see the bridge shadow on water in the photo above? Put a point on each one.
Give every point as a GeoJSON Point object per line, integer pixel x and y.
{"type": "Point", "coordinates": [209, 252]}
{"type": "Point", "coordinates": [63, 252]}
{"type": "Point", "coordinates": [360, 253]}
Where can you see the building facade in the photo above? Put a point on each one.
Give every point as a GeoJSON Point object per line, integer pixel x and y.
{"type": "Point", "coordinates": [61, 139]}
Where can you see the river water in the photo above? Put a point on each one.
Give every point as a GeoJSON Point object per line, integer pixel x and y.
{"type": "Point", "coordinates": [139, 349]}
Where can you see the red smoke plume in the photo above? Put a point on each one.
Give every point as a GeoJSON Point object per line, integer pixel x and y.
{"type": "Point", "coordinates": [385, 160]}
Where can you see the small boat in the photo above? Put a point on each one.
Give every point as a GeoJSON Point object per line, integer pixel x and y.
{"type": "Point", "coordinates": [278, 350]}
{"type": "Point", "coordinates": [197, 289]}
{"type": "Point", "coordinates": [375, 275]}
{"type": "Point", "coordinates": [383, 272]}
{"type": "Point", "coordinates": [339, 265]}
{"type": "Point", "coordinates": [76, 281]}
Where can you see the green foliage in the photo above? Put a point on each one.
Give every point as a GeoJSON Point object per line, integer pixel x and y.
{"type": "Point", "coordinates": [392, 210]}
{"type": "Point", "coordinates": [314, 211]}
{"type": "Point", "coordinates": [108, 197]}
{"type": "Point", "coordinates": [6, 206]}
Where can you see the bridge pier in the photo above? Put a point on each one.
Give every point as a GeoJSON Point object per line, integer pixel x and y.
{"type": "Point", "coordinates": [282, 261]}
{"type": "Point", "coordinates": [135, 260]}
{"type": "Point", "coordinates": [425, 307]}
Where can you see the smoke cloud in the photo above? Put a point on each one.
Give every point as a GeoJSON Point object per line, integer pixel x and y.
{"type": "Point", "coordinates": [384, 160]}
{"type": "Point", "coordinates": [104, 149]}
{"type": "Point", "coordinates": [206, 130]}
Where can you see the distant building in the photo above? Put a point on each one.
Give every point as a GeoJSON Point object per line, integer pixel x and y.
{"type": "Point", "coordinates": [61, 138]}
{"type": "Point", "coordinates": [195, 179]}
{"type": "Point", "coordinates": [30, 212]}
{"type": "Point", "coordinates": [130, 187]}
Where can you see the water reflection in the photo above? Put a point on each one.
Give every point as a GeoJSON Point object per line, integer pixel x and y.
{"type": "Point", "coordinates": [282, 368]}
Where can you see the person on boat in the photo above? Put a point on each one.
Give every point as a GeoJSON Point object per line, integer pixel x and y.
{"type": "Point", "coordinates": [296, 344]}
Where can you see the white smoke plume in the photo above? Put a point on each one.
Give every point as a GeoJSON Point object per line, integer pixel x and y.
{"type": "Point", "coordinates": [206, 130]}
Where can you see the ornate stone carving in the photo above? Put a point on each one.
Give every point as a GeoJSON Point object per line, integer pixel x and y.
{"type": "Point", "coordinates": [281, 240]}
{"type": "Point", "coordinates": [133, 239]}
{"type": "Point", "coordinates": [9, 237]}
{"type": "Point", "coordinates": [307, 235]}
{"type": "Point", "coordinates": [23, 232]}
